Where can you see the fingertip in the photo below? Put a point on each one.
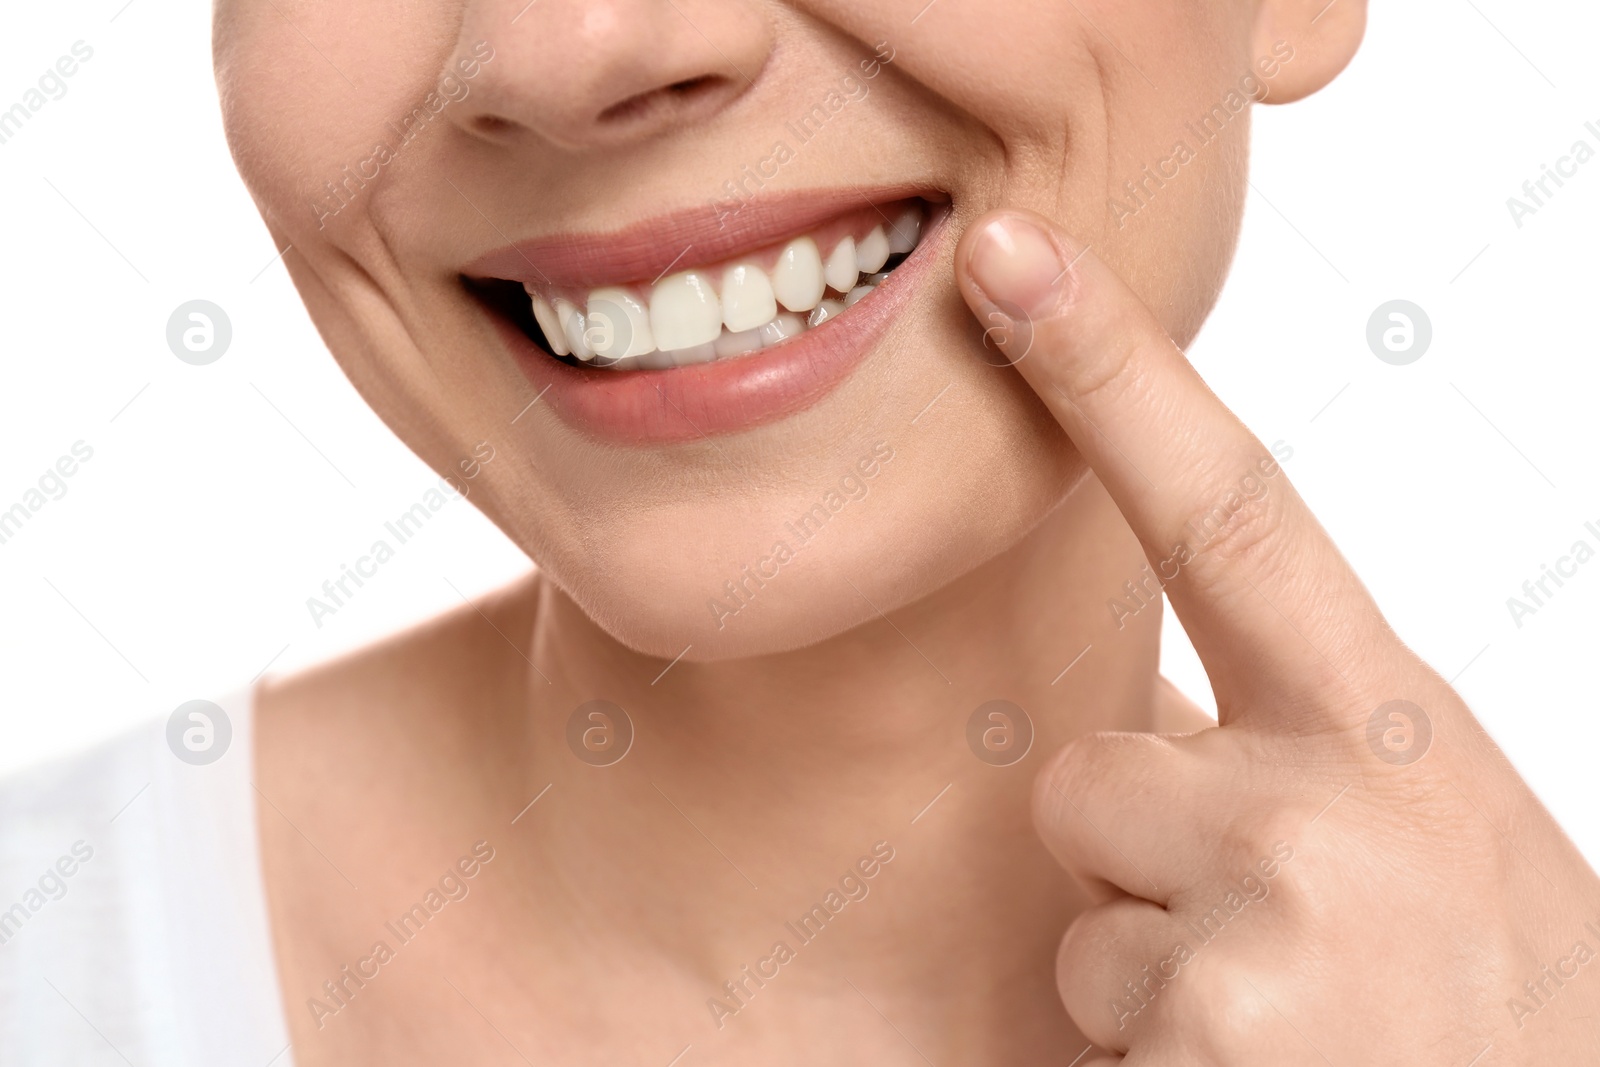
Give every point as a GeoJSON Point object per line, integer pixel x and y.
{"type": "Point", "coordinates": [1017, 261]}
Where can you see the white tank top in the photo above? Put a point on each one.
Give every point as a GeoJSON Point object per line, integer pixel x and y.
{"type": "Point", "coordinates": [133, 925]}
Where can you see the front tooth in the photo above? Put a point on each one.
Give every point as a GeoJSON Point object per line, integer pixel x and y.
{"type": "Point", "coordinates": [684, 312]}
{"type": "Point", "coordinates": [781, 329]}
{"type": "Point", "coordinates": [873, 251]}
{"type": "Point", "coordinates": [907, 228]}
{"type": "Point", "coordinates": [855, 295]}
{"type": "Point", "coordinates": [618, 324]}
{"type": "Point", "coordinates": [840, 270]}
{"type": "Point", "coordinates": [747, 300]}
{"type": "Point", "coordinates": [550, 323]}
{"type": "Point", "coordinates": [573, 326]}
{"type": "Point", "coordinates": [797, 279]}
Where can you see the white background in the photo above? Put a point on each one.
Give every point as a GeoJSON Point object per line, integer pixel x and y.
{"type": "Point", "coordinates": [178, 563]}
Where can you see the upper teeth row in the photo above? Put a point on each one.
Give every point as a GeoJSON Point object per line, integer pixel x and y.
{"type": "Point", "coordinates": [698, 315]}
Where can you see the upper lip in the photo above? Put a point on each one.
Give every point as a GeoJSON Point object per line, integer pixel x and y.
{"type": "Point", "coordinates": [647, 249]}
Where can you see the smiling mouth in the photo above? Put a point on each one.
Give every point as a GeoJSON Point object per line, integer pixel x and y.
{"type": "Point", "coordinates": [721, 310]}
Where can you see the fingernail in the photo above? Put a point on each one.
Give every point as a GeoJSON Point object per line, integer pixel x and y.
{"type": "Point", "coordinates": [1014, 261]}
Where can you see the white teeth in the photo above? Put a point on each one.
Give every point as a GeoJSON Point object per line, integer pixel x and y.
{"type": "Point", "coordinates": [873, 251]}
{"type": "Point", "coordinates": [618, 324]}
{"type": "Point", "coordinates": [685, 312]}
{"type": "Point", "coordinates": [797, 279]}
{"type": "Point", "coordinates": [697, 316]}
{"type": "Point", "coordinates": [907, 229]}
{"type": "Point", "coordinates": [573, 325]}
{"type": "Point", "coordinates": [550, 324]}
{"type": "Point", "coordinates": [825, 311]}
{"type": "Point", "coordinates": [840, 270]}
{"type": "Point", "coordinates": [781, 329]}
{"type": "Point", "coordinates": [737, 344]}
{"type": "Point", "coordinates": [747, 299]}
{"type": "Point", "coordinates": [854, 296]}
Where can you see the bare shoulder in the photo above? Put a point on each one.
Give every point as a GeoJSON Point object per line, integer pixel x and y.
{"type": "Point", "coordinates": [374, 772]}
{"type": "Point", "coordinates": [440, 675]}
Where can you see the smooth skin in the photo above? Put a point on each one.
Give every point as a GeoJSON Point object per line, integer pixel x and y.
{"type": "Point", "coordinates": [1410, 896]}
{"type": "Point", "coordinates": [771, 755]}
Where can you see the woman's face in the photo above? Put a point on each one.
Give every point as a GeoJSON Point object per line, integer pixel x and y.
{"type": "Point", "coordinates": [651, 164]}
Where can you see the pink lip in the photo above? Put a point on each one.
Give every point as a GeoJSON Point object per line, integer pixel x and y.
{"type": "Point", "coordinates": [648, 407]}
{"type": "Point", "coordinates": [646, 250]}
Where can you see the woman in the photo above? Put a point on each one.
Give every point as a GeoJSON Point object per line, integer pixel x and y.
{"type": "Point", "coordinates": [828, 728]}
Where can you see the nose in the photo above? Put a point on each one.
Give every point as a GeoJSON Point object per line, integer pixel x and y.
{"type": "Point", "coordinates": [584, 74]}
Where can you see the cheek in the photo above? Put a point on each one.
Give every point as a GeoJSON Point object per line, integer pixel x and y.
{"type": "Point", "coordinates": [296, 115]}
{"type": "Point", "coordinates": [1083, 97]}
{"type": "Point", "coordinates": [1011, 64]}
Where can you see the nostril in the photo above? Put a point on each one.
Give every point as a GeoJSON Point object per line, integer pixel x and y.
{"type": "Point", "coordinates": [675, 97]}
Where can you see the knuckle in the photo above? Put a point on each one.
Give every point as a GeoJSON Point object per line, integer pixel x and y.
{"type": "Point", "coordinates": [1065, 778]}
{"type": "Point", "coordinates": [1097, 966]}
{"type": "Point", "coordinates": [1262, 835]}
{"type": "Point", "coordinates": [1098, 934]}
{"type": "Point", "coordinates": [1241, 530]}
{"type": "Point", "coordinates": [1080, 949]}
{"type": "Point", "coordinates": [1088, 769]}
{"type": "Point", "coordinates": [1268, 881]}
{"type": "Point", "coordinates": [1110, 375]}
{"type": "Point", "coordinates": [1220, 1007]}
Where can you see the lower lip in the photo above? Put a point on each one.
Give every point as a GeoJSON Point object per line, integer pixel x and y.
{"type": "Point", "coordinates": [658, 407]}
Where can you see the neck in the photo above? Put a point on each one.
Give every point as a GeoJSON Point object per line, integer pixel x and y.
{"type": "Point", "coordinates": [754, 787]}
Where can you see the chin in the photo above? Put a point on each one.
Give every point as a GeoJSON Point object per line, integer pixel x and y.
{"type": "Point", "coordinates": [709, 580]}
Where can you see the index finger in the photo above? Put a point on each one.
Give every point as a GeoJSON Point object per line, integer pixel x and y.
{"type": "Point", "coordinates": [1245, 563]}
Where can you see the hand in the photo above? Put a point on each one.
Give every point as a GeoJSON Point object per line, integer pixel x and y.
{"type": "Point", "coordinates": [1345, 871]}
